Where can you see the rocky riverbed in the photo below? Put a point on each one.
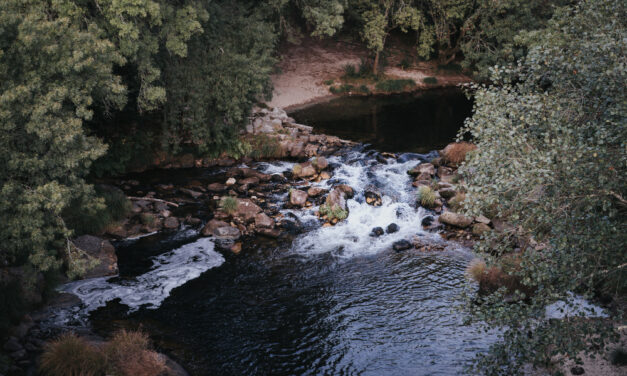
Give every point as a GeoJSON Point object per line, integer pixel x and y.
{"type": "Point", "coordinates": [316, 182]}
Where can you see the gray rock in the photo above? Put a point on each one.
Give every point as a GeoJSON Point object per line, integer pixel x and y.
{"type": "Point", "coordinates": [171, 223]}
{"type": "Point", "coordinates": [447, 192]}
{"type": "Point", "coordinates": [212, 225]}
{"type": "Point", "coordinates": [377, 231]}
{"type": "Point", "coordinates": [298, 197]}
{"type": "Point", "coordinates": [392, 228]}
{"type": "Point", "coordinates": [103, 251]}
{"type": "Point", "coordinates": [263, 221]}
{"type": "Point", "coordinates": [227, 232]}
{"type": "Point", "coordinates": [455, 219]}
{"type": "Point", "coordinates": [402, 245]}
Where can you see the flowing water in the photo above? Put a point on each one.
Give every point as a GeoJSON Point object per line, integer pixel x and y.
{"type": "Point", "coordinates": [328, 301]}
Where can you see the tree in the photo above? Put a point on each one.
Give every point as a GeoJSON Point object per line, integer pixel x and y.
{"type": "Point", "coordinates": [488, 36]}
{"type": "Point", "coordinates": [552, 162]}
{"type": "Point", "coordinates": [52, 72]}
{"type": "Point", "coordinates": [379, 17]}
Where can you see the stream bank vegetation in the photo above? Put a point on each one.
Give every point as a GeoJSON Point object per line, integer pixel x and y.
{"type": "Point", "coordinates": [551, 164]}
{"type": "Point", "coordinates": [96, 88]}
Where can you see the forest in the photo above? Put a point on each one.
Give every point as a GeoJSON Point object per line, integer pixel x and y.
{"type": "Point", "coordinates": [92, 90]}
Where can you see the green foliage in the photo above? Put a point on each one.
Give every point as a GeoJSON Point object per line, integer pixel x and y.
{"type": "Point", "coordinates": [426, 196]}
{"type": "Point", "coordinates": [490, 33]}
{"type": "Point", "coordinates": [264, 147]}
{"type": "Point", "coordinates": [363, 89]}
{"type": "Point", "coordinates": [328, 82]}
{"type": "Point", "coordinates": [430, 80]}
{"type": "Point", "coordinates": [344, 88]}
{"type": "Point", "coordinates": [228, 204]}
{"type": "Point", "coordinates": [618, 357]}
{"type": "Point", "coordinates": [108, 207]}
{"type": "Point", "coordinates": [333, 212]}
{"type": "Point", "coordinates": [52, 72]}
{"type": "Point", "coordinates": [394, 85]}
{"type": "Point", "coordinates": [557, 125]}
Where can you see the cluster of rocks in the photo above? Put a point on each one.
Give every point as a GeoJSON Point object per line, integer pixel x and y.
{"type": "Point", "coordinates": [292, 139]}
{"type": "Point", "coordinates": [440, 176]}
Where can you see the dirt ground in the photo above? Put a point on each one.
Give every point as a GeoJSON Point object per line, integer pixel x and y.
{"type": "Point", "coordinates": [304, 68]}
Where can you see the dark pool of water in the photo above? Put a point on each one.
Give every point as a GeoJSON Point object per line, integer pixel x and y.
{"type": "Point", "coordinates": [418, 122]}
{"type": "Point", "coordinates": [266, 312]}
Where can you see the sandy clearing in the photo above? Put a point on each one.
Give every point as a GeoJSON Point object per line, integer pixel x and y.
{"type": "Point", "coordinates": [304, 68]}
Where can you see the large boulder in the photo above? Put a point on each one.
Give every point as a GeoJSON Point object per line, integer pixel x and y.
{"type": "Point", "coordinates": [320, 163]}
{"type": "Point", "coordinates": [103, 251]}
{"type": "Point", "coordinates": [171, 223]}
{"type": "Point", "coordinates": [246, 209]}
{"type": "Point", "coordinates": [423, 168]}
{"type": "Point", "coordinates": [346, 190]}
{"type": "Point", "coordinates": [304, 170]}
{"type": "Point", "coordinates": [298, 197]}
{"type": "Point", "coordinates": [315, 191]}
{"type": "Point", "coordinates": [455, 219]}
{"type": "Point", "coordinates": [211, 227]}
{"type": "Point", "coordinates": [263, 221]}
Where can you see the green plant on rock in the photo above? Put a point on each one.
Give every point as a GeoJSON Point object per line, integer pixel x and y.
{"type": "Point", "coordinates": [426, 196]}
{"type": "Point", "coordinates": [333, 212]}
{"type": "Point", "coordinates": [228, 204]}
{"type": "Point", "coordinates": [430, 80]}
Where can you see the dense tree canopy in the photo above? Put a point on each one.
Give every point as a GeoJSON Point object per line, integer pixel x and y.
{"type": "Point", "coordinates": [552, 162]}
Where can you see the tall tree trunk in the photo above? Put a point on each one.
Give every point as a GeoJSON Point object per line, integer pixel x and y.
{"type": "Point", "coordinates": [375, 66]}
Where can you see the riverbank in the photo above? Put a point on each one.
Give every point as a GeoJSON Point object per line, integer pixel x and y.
{"type": "Point", "coordinates": [305, 71]}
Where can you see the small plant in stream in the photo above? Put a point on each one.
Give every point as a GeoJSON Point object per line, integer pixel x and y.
{"type": "Point", "coordinates": [333, 212]}
{"type": "Point", "coordinates": [228, 204]}
{"type": "Point", "coordinates": [426, 196]}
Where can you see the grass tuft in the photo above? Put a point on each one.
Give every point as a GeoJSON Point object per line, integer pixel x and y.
{"type": "Point", "coordinates": [72, 355]}
{"type": "Point", "coordinates": [130, 354]}
{"type": "Point", "coordinates": [426, 196]}
{"type": "Point", "coordinates": [228, 204]}
{"type": "Point", "coordinates": [476, 269]}
{"type": "Point", "coordinates": [456, 152]}
{"type": "Point", "coordinates": [333, 212]}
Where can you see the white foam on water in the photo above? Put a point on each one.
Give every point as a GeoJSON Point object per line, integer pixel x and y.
{"type": "Point", "coordinates": [275, 167]}
{"type": "Point", "coordinates": [574, 305]}
{"type": "Point", "coordinates": [170, 270]}
{"type": "Point", "coordinates": [351, 237]}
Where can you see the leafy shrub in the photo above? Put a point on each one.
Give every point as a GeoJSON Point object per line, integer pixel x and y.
{"type": "Point", "coordinates": [112, 206]}
{"type": "Point", "coordinates": [70, 355]}
{"type": "Point", "coordinates": [363, 89]}
{"type": "Point", "coordinates": [129, 354]}
{"type": "Point", "coordinates": [328, 82]}
{"type": "Point", "coordinates": [263, 147]}
{"type": "Point", "coordinates": [455, 153]}
{"type": "Point", "coordinates": [228, 204]}
{"type": "Point", "coordinates": [405, 63]}
{"type": "Point", "coordinates": [147, 219]}
{"type": "Point", "coordinates": [350, 71]}
{"type": "Point", "coordinates": [426, 196]}
{"type": "Point", "coordinates": [344, 88]}
{"type": "Point", "coordinates": [394, 85]}
{"type": "Point", "coordinates": [618, 357]}
{"type": "Point", "coordinates": [430, 80]}
{"type": "Point", "coordinates": [451, 67]}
